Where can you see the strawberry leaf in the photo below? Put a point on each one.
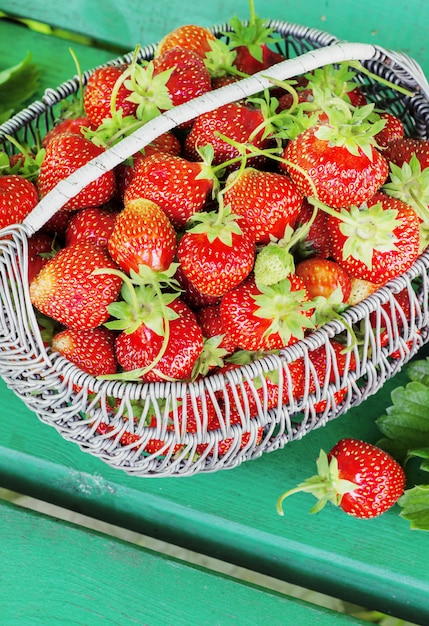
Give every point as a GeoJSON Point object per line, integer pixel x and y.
{"type": "Point", "coordinates": [415, 507]}
{"type": "Point", "coordinates": [406, 421]}
{"type": "Point", "coordinates": [17, 84]}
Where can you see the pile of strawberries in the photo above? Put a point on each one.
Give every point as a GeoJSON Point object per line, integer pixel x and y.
{"type": "Point", "coordinates": [228, 238]}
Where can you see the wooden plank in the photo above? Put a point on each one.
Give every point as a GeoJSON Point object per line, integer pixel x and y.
{"type": "Point", "coordinates": [231, 515]}
{"type": "Point", "coordinates": [393, 24]}
{"type": "Point", "coordinates": [16, 41]}
{"type": "Point", "coordinates": [54, 572]}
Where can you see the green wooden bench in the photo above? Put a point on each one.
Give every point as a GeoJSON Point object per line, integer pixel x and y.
{"type": "Point", "coordinates": [53, 571]}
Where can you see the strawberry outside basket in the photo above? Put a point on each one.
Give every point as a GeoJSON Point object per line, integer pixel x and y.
{"type": "Point", "coordinates": [76, 404]}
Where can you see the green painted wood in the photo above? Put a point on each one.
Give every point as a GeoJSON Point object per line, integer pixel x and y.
{"type": "Point", "coordinates": [52, 572]}
{"type": "Point", "coordinates": [16, 41]}
{"type": "Point", "coordinates": [390, 23]}
{"type": "Point", "coordinates": [231, 514]}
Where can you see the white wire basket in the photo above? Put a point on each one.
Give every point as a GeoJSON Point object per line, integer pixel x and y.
{"type": "Point", "coordinates": [143, 428]}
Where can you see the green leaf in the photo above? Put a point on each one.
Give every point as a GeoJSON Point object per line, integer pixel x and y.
{"type": "Point", "coordinates": [407, 420]}
{"type": "Point", "coordinates": [415, 507]}
{"type": "Point", "coordinates": [419, 371]}
{"type": "Point", "coordinates": [17, 84]}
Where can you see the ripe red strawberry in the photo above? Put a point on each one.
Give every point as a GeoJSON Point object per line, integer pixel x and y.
{"type": "Point", "coordinates": [269, 201]}
{"type": "Point", "coordinates": [323, 276]}
{"type": "Point", "coordinates": [377, 241]}
{"type": "Point", "coordinates": [72, 125]}
{"type": "Point", "coordinates": [251, 42]}
{"type": "Point", "coordinates": [93, 350]}
{"type": "Point", "coordinates": [94, 225]}
{"type": "Point", "coordinates": [98, 94]}
{"type": "Point", "coordinates": [41, 247]}
{"type": "Point", "coordinates": [211, 325]}
{"type": "Point", "coordinates": [316, 240]}
{"type": "Point", "coordinates": [167, 142]}
{"type": "Point", "coordinates": [237, 121]}
{"type": "Point", "coordinates": [142, 234]}
{"type": "Point", "coordinates": [337, 162]}
{"type": "Point", "coordinates": [189, 77]}
{"type": "Point", "coordinates": [218, 252]}
{"type": "Point", "coordinates": [175, 184]}
{"type": "Point", "coordinates": [158, 350]}
{"type": "Point", "coordinates": [64, 155]}
{"type": "Point", "coordinates": [66, 289]}
{"type": "Point", "coordinates": [18, 197]}
{"type": "Point", "coordinates": [267, 317]}
{"type": "Point", "coordinates": [191, 295]}
{"type": "Point", "coordinates": [400, 151]}
{"type": "Point", "coordinates": [189, 36]}
{"type": "Point", "coordinates": [360, 478]}
{"type": "Point", "coordinates": [393, 130]}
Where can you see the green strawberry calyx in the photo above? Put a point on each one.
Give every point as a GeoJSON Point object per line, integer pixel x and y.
{"type": "Point", "coordinates": [275, 261]}
{"type": "Point", "coordinates": [221, 224]}
{"type": "Point", "coordinates": [143, 302]}
{"type": "Point", "coordinates": [252, 34]}
{"type": "Point", "coordinates": [286, 307]}
{"type": "Point", "coordinates": [211, 356]}
{"type": "Point", "coordinates": [366, 228]}
{"type": "Point", "coordinates": [410, 184]}
{"type": "Point", "coordinates": [325, 486]}
{"type": "Point", "coordinates": [354, 130]}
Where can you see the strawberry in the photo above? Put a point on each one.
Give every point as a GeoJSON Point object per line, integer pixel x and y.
{"type": "Point", "coordinates": [166, 142]}
{"type": "Point", "coordinates": [41, 247]}
{"type": "Point", "coordinates": [100, 99]}
{"type": "Point", "coordinates": [175, 184]}
{"type": "Point", "coordinates": [323, 276]}
{"type": "Point", "coordinates": [410, 183]}
{"type": "Point", "coordinates": [94, 225]}
{"type": "Point", "coordinates": [266, 317]}
{"type": "Point", "coordinates": [218, 252]}
{"type": "Point", "coordinates": [74, 125]}
{"type": "Point", "coordinates": [360, 478]}
{"type": "Point", "coordinates": [18, 197]}
{"type": "Point", "coordinates": [142, 234]}
{"type": "Point", "coordinates": [64, 155]}
{"type": "Point", "coordinates": [211, 325]}
{"type": "Point", "coordinates": [160, 336]}
{"type": "Point", "coordinates": [360, 289]}
{"type": "Point", "coordinates": [93, 350]}
{"type": "Point", "coordinates": [189, 36]}
{"type": "Point", "coordinates": [269, 201]}
{"type": "Point", "coordinates": [236, 121]}
{"type": "Point", "coordinates": [67, 290]}
{"type": "Point", "coordinates": [251, 43]}
{"type": "Point", "coordinates": [400, 151]}
{"type": "Point", "coordinates": [189, 77]}
{"type": "Point", "coordinates": [315, 240]}
{"type": "Point", "coordinates": [393, 130]}
{"type": "Point", "coordinates": [191, 295]}
{"type": "Point", "coordinates": [337, 161]}
{"type": "Point", "coordinates": [377, 241]}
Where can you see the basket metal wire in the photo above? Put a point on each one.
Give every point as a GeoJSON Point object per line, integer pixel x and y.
{"type": "Point", "coordinates": [142, 428]}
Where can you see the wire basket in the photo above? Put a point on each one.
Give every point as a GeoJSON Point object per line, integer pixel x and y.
{"type": "Point", "coordinates": [143, 429]}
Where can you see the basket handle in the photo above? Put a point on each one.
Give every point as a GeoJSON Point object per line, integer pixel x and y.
{"type": "Point", "coordinates": [71, 186]}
